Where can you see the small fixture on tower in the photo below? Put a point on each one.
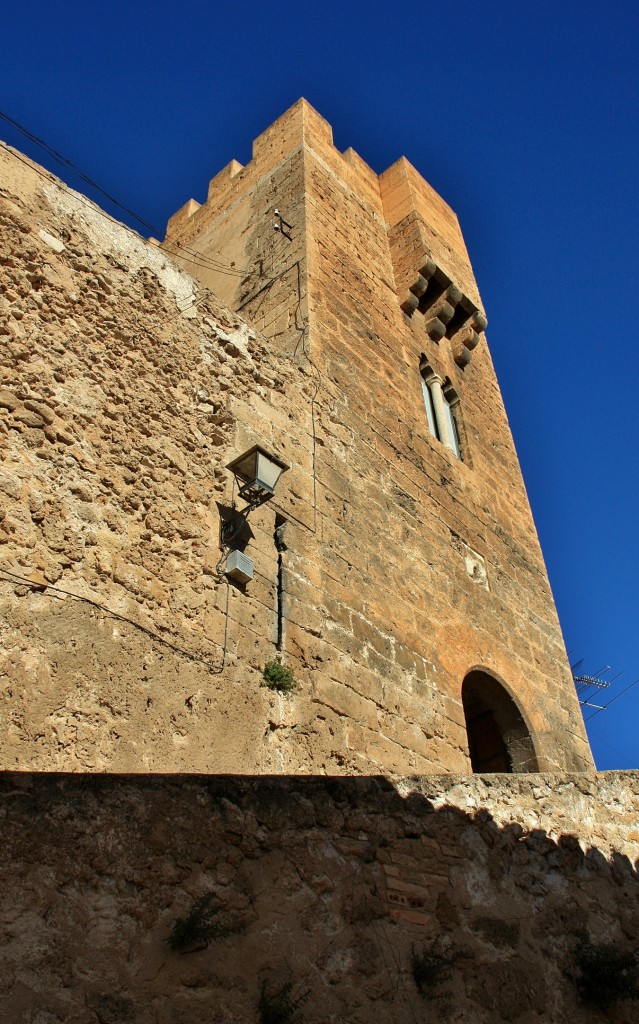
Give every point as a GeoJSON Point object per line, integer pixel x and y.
{"type": "Point", "coordinates": [283, 226]}
{"type": "Point", "coordinates": [256, 473]}
{"type": "Point", "coordinates": [239, 567]}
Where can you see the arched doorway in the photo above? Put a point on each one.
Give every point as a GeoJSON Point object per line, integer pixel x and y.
{"type": "Point", "coordinates": [498, 738]}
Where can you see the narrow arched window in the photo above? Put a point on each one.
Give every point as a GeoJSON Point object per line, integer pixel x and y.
{"type": "Point", "coordinates": [430, 410]}
{"type": "Point", "coordinates": [440, 402]}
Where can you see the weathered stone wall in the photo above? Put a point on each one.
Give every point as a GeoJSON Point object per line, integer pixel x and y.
{"type": "Point", "coordinates": [120, 386]}
{"type": "Point", "coordinates": [323, 884]}
{"type": "Point", "coordinates": [127, 388]}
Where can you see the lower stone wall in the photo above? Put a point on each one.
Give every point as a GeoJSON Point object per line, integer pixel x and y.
{"type": "Point", "coordinates": [312, 899]}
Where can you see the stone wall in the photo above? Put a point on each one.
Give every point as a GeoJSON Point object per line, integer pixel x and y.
{"type": "Point", "coordinates": [385, 571]}
{"type": "Point", "coordinates": [321, 884]}
{"type": "Point", "coordinates": [127, 388]}
{"type": "Point", "coordinates": [121, 646]}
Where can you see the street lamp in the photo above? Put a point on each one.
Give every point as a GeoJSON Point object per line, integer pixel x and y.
{"type": "Point", "coordinates": [256, 472]}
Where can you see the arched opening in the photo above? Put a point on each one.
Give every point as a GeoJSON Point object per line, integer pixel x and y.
{"type": "Point", "coordinates": [498, 738]}
{"type": "Point", "coordinates": [441, 402]}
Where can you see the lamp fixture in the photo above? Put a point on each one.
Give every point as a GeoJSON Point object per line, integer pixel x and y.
{"type": "Point", "coordinates": [256, 472]}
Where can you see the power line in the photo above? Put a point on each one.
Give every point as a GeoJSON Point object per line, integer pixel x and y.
{"type": "Point", "coordinates": [59, 158]}
{"type": "Point", "coordinates": [207, 262]}
{"type": "Point", "coordinates": [204, 261]}
{"type": "Point", "coordinates": [612, 701]}
{"type": "Point", "coordinates": [206, 294]}
{"type": "Point", "coordinates": [48, 176]}
{"type": "Point", "coordinates": [44, 588]}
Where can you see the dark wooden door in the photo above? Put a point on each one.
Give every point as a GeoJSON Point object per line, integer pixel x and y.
{"type": "Point", "coordinates": [487, 749]}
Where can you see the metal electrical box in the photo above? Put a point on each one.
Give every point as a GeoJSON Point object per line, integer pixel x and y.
{"type": "Point", "coordinates": [239, 567]}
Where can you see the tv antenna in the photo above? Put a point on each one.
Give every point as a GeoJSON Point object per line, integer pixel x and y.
{"type": "Point", "coordinates": [589, 685]}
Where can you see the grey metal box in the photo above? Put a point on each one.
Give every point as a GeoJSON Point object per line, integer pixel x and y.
{"type": "Point", "coordinates": [239, 567]}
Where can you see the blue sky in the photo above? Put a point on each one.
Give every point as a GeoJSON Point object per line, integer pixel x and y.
{"type": "Point", "coordinates": [523, 116]}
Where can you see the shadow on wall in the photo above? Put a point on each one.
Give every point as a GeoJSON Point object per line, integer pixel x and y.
{"type": "Point", "coordinates": [174, 899]}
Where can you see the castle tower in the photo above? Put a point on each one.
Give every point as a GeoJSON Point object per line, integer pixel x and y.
{"type": "Point", "coordinates": [331, 316]}
{"type": "Point", "coordinates": [396, 574]}
{"type": "Point", "coordinates": [413, 591]}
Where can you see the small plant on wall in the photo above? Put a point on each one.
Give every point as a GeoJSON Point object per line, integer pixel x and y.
{"type": "Point", "coordinates": [203, 924]}
{"type": "Point", "coordinates": [605, 974]}
{"type": "Point", "coordinates": [429, 970]}
{"type": "Point", "coordinates": [276, 676]}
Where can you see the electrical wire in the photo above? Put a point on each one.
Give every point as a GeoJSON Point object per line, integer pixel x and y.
{"type": "Point", "coordinates": [191, 305]}
{"type": "Point", "coordinates": [207, 262]}
{"type": "Point", "coordinates": [48, 176]}
{"type": "Point", "coordinates": [202, 260]}
{"type": "Point", "coordinates": [197, 259]}
{"type": "Point", "coordinates": [15, 579]}
{"type": "Point", "coordinates": [78, 197]}
{"type": "Point", "coordinates": [264, 287]}
{"type": "Point", "coordinates": [625, 690]}
{"type": "Point", "coordinates": [302, 329]}
{"type": "Point", "coordinates": [63, 161]}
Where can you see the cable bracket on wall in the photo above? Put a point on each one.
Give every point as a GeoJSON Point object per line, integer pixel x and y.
{"type": "Point", "coordinates": [282, 226]}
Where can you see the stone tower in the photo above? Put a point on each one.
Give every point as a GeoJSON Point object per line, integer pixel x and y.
{"type": "Point", "coordinates": [414, 586]}
{"type": "Point", "coordinates": [397, 570]}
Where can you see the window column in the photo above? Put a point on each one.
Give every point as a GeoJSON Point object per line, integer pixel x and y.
{"type": "Point", "coordinates": [451, 402]}
{"type": "Point", "coordinates": [442, 414]}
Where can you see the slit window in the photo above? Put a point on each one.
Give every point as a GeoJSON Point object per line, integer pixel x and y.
{"type": "Point", "coordinates": [452, 427]}
{"type": "Point", "coordinates": [430, 411]}
{"type": "Point", "coordinates": [440, 402]}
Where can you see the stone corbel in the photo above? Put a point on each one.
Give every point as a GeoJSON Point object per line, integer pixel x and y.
{"type": "Point", "coordinates": [449, 312]}
{"type": "Point", "coordinates": [468, 338]}
{"type": "Point", "coordinates": [418, 287]}
{"type": "Point", "coordinates": [435, 329]}
{"type": "Point", "coordinates": [410, 304]}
